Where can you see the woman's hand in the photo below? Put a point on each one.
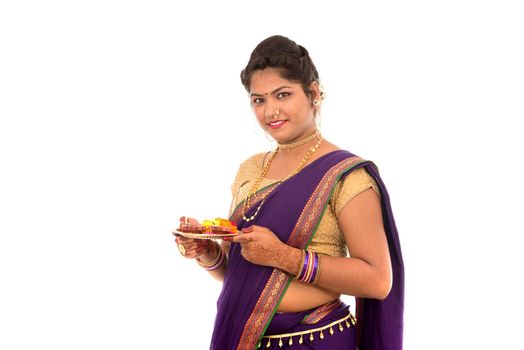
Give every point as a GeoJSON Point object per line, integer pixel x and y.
{"type": "Point", "coordinates": [259, 245]}
{"type": "Point", "coordinates": [189, 247]}
{"type": "Point", "coordinates": [193, 248]}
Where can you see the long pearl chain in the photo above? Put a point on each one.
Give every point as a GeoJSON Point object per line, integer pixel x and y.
{"type": "Point", "coordinates": [253, 190]}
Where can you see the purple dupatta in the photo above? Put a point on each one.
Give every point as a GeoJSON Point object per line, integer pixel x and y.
{"type": "Point", "coordinates": [251, 293]}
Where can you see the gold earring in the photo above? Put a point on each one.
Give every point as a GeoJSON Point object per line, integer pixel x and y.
{"type": "Point", "coordinates": [316, 106]}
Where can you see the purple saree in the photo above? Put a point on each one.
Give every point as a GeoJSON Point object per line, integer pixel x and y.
{"type": "Point", "coordinates": [251, 293]}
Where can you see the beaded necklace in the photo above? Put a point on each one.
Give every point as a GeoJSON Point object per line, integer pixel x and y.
{"type": "Point", "coordinates": [253, 190]}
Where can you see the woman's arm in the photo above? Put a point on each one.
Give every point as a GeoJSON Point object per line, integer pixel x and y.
{"type": "Point", "coordinates": [367, 273]}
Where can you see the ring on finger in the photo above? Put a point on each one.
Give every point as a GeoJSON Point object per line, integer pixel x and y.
{"type": "Point", "coordinates": [182, 249]}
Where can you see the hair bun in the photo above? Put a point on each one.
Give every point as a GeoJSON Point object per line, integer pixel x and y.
{"type": "Point", "coordinates": [292, 60]}
{"type": "Point", "coordinates": [303, 51]}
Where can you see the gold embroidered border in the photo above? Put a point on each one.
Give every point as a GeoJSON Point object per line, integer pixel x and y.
{"type": "Point", "coordinates": [263, 309]}
{"type": "Point", "coordinates": [302, 232]}
{"type": "Point", "coordinates": [321, 312]}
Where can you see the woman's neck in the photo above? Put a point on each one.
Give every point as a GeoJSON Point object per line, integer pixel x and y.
{"type": "Point", "coordinates": [301, 144]}
{"type": "Point", "coordinates": [286, 161]}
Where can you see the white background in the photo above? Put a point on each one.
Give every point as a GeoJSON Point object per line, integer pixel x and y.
{"type": "Point", "coordinates": [117, 117]}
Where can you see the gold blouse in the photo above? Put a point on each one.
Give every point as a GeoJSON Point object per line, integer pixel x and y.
{"type": "Point", "coordinates": [328, 238]}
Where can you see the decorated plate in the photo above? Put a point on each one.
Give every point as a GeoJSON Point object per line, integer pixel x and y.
{"type": "Point", "coordinates": [205, 235]}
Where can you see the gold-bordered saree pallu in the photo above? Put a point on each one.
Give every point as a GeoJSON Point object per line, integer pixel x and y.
{"type": "Point", "coordinates": [251, 293]}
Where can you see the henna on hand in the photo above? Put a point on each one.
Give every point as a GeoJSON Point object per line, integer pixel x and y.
{"type": "Point", "coordinates": [261, 246]}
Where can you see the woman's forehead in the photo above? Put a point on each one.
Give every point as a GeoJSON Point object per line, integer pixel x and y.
{"type": "Point", "coordinates": [263, 82]}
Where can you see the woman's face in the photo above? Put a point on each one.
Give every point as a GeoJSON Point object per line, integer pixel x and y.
{"type": "Point", "coordinates": [296, 117]}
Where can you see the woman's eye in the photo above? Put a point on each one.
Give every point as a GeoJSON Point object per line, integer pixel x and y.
{"type": "Point", "coordinates": [258, 100]}
{"type": "Point", "coordinates": [283, 94]}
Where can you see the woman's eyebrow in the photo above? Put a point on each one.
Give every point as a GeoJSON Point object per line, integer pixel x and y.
{"type": "Point", "coordinates": [271, 93]}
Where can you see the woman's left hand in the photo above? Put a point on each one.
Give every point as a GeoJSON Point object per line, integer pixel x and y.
{"type": "Point", "coordinates": [259, 245]}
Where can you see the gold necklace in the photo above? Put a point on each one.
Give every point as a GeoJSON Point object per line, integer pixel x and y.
{"type": "Point", "coordinates": [288, 146]}
{"type": "Point", "coordinates": [253, 190]}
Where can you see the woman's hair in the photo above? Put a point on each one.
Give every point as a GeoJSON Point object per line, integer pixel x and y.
{"type": "Point", "coordinates": [291, 60]}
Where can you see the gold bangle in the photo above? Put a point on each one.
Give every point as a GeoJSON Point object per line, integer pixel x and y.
{"type": "Point", "coordinates": [301, 266]}
{"type": "Point", "coordinates": [214, 261]}
{"type": "Point", "coordinates": [315, 281]}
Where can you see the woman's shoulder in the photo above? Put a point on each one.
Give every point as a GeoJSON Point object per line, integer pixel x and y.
{"type": "Point", "coordinates": [356, 181]}
{"type": "Point", "coordinates": [248, 167]}
{"type": "Point", "coordinates": [343, 154]}
{"type": "Point", "coordinates": [252, 164]}
{"type": "Point", "coordinates": [256, 160]}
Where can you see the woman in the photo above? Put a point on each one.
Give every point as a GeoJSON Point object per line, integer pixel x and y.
{"type": "Point", "coordinates": [301, 209]}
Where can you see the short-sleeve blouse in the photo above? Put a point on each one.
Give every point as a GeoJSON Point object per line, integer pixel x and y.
{"type": "Point", "coordinates": [328, 238]}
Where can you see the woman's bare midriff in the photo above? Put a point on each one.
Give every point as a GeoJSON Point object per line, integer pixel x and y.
{"type": "Point", "coordinates": [300, 297]}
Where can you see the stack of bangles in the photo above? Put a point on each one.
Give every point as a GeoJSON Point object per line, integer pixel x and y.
{"type": "Point", "coordinates": [309, 267]}
{"type": "Point", "coordinates": [217, 263]}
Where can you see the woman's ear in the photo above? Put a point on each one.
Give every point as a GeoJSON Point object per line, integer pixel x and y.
{"type": "Point", "coordinates": [314, 87]}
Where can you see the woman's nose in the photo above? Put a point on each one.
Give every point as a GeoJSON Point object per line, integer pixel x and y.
{"type": "Point", "coordinates": [271, 111]}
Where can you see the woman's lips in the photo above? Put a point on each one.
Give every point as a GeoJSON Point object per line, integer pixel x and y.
{"type": "Point", "coordinates": [277, 124]}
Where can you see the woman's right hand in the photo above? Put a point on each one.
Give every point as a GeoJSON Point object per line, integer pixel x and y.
{"type": "Point", "coordinates": [189, 247]}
